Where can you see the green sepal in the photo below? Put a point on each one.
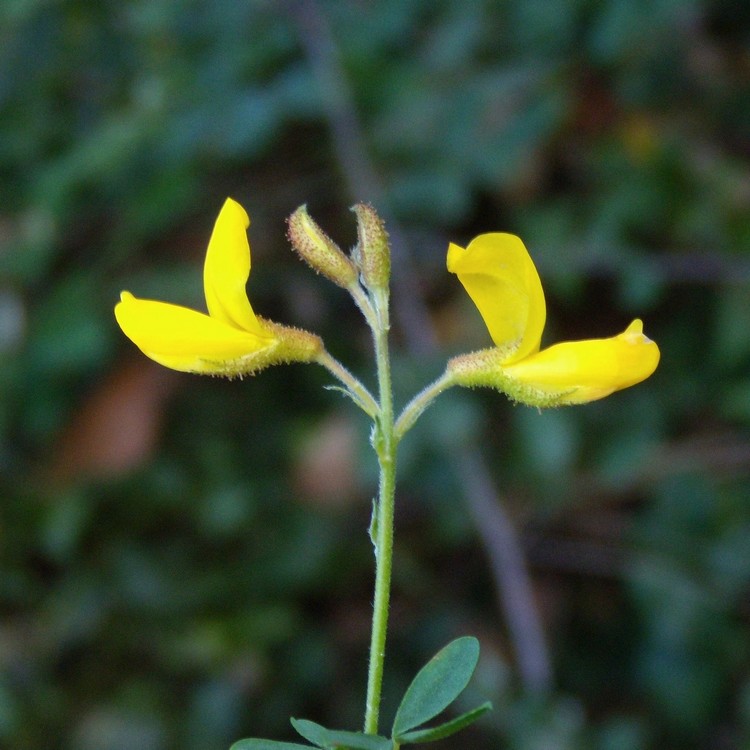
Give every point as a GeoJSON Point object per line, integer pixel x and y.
{"type": "Point", "coordinates": [332, 739]}
{"type": "Point", "coordinates": [437, 684]}
{"type": "Point", "coordinates": [253, 744]}
{"type": "Point", "coordinates": [444, 730]}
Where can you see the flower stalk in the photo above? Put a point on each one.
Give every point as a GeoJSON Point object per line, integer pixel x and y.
{"type": "Point", "coordinates": [415, 408]}
{"type": "Point", "coordinates": [359, 394]}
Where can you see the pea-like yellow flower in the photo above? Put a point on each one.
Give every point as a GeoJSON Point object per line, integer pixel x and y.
{"type": "Point", "coordinates": [231, 340]}
{"type": "Point", "coordinates": [500, 277]}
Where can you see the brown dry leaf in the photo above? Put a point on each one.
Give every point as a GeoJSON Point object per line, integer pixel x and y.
{"type": "Point", "coordinates": [325, 473]}
{"type": "Point", "coordinates": [116, 428]}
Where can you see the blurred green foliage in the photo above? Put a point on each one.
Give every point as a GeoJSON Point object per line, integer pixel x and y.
{"type": "Point", "coordinates": [174, 570]}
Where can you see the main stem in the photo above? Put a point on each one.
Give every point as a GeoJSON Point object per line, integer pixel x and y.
{"type": "Point", "coordinates": [385, 445]}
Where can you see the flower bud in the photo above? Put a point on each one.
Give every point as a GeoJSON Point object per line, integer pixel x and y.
{"type": "Point", "coordinates": [373, 250]}
{"type": "Point", "coordinates": [319, 251]}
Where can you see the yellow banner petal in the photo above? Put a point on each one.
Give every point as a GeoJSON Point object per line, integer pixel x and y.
{"type": "Point", "coordinates": [575, 372]}
{"type": "Point", "coordinates": [500, 277]}
{"type": "Point", "coordinates": [186, 340]}
{"type": "Point", "coordinates": [227, 268]}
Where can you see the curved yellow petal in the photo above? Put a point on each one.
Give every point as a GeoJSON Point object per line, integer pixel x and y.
{"type": "Point", "coordinates": [227, 268]}
{"type": "Point", "coordinates": [575, 372]}
{"type": "Point", "coordinates": [500, 277]}
{"type": "Point", "coordinates": [186, 340]}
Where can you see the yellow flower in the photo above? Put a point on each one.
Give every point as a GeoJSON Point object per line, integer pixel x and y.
{"type": "Point", "coordinates": [499, 275]}
{"type": "Point", "coordinates": [231, 339]}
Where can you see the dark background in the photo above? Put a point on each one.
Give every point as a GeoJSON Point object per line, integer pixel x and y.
{"type": "Point", "coordinates": [183, 560]}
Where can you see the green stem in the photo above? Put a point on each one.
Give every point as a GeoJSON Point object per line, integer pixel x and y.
{"type": "Point", "coordinates": [385, 445]}
{"type": "Point", "coordinates": [362, 397]}
{"type": "Point", "coordinates": [420, 402]}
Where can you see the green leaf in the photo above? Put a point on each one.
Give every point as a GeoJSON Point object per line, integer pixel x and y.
{"type": "Point", "coordinates": [254, 744]}
{"type": "Point", "coordinates": [444, 730]}
{"type": "Point", "coordinates": [331, 739]}
{"type": "Point", "coordinates": [437, 684]}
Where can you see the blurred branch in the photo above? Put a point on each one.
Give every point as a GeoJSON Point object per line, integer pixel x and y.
{"type": "Point", "coordinates": [363, 184]}
{"type": "Point", "coordinates": [495, 528]}
{"type": "Point", "coordinates": [717, 454]}
{"type": "Point", "coordinates": [678, 267]}
{"type": "Point", "coordinates": [504, 549]}
{"type": "Point", "coordinates": [588, 535]}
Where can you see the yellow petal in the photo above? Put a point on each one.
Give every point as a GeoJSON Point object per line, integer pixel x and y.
{"type": "Point", "coordinates": [578, 371]}
{"type": "Point", "coordinates": [227, 268]}
{"type": "Point", "coordinates": [186, 340]}
{"type": "Point", "coordinates": [499, 275]}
